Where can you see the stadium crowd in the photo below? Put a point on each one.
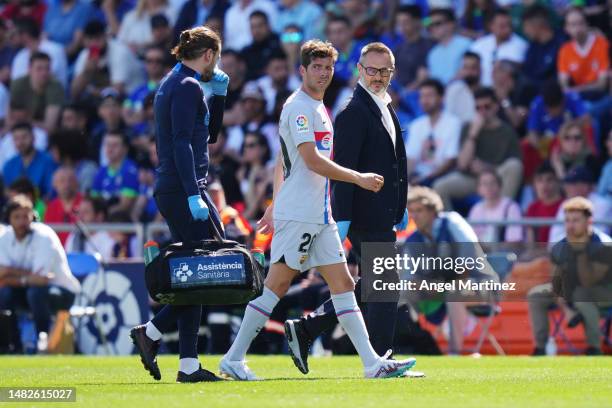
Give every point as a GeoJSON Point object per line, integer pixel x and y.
{"type": "Point", "coordinates": [506, 105]}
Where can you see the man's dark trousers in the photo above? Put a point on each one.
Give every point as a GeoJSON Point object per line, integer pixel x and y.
{"type": "Point", "coordinates": [175, 209]}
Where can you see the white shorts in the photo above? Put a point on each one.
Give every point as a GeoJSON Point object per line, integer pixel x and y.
{"type": "Point", "coordinates": [304, 246]}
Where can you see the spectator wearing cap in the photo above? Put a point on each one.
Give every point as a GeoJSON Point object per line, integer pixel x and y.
{"type": "Point", "coordinates": [411, 53]}
{"type": "Point", "coordinates": [540, 62]}
{"type": "Point", "coordinates": [305, 14]}
{"type": "Point", "coordinates": [196, 13]}
{"type": "Point", "coordinates": [30, 40]}
{"type": "Point", "coordinates": [459, 95]}
{"type": "Point", "coordinates": [502, 43]}
{"type": "Point", "coordinates": [66, 148]}
{"type": "Point", "coordinates": [265, 44]}
{"type": "Point", "coordinates": [63, 208]}
{"type": "Point", "coordinates": [117, 182]}
{"type": "Point", "coordinates": [340, 33]}
{"type": "Point", "coordinates": [110, 114]}
{"type": "Point", "coordinates": [580, 182]}
{"type": "Point", "coordinates": [444, 59]}
{"type": "Point", "coordinates": [155, 68]}
{"type": "Point", "coordinates": [487, 143]}
{"type": "Point", "coordinates": [583, 62]}
{"type": "Point", "coordinates": [237, 32]}
{"type": "Point", "coordinates": [135, 29]}
{"type": "Point", "coordinates": [278, 83]}
{"type": "Point", "coordinates": [547, 202]}
{"type": "Point", "coordinates": [19, 113]}
{"type": "Point", "coordinates": [254, 119]}
{"type": "Point", "coordinates": [65, 21]}
{"type": "Point", "coordinates": [102, 63]}
{"type": "Point", "coordinates": [36, 165]}
{"type": "Point", "coordinates": [42, 94]}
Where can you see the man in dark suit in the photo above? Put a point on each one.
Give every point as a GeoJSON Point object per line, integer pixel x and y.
{"type": "Point", "coordinates": [367, 138]}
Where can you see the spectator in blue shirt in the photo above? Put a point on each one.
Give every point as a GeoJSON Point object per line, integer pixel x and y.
{"type": "Point", "coordinates": [550, 110]}
{"type": "Point", "coordinates": [117, 183]}
{"type": "Point", "coordinates": [305, 14]}
{"type": "Point", "coordinates": [64, 23]}
{"type": "Point", "coordinates": [541, 58]}
{"type": "Point", "coordinates": [34, 164]}
{"type": "Point", "coordinates": [196, 13]}
{"type": "Point", "coordinates": [444, 59]}
{"type": "Point", "coordinates": [340, 33]}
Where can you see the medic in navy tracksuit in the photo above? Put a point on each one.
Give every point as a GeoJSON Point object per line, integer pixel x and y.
{"type": "Point", "coordinates": [184, 127]}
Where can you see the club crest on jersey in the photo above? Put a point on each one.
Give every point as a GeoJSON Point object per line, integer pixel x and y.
{"type": "Point", "coordinates": [324, 140]}
{"type": "Point", "coordinates": [302, 123]}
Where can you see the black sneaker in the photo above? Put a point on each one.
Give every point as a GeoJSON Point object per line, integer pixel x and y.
{"type": "Point", "coordinates": [147, 349]}
{"type": "Point", "coordinates": [200, 375]}
{"type": "Point", "coordinates": [299, 344]}
{"type": "Point", "coordinates": [538, 351]}
{"type": "Point", "coordinates": [575, 321]}
{"type": "Point", "coordinates": [592, 351]}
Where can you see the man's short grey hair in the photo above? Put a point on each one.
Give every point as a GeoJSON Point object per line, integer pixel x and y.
{"type": "Point", "coordinates": [376, 47]}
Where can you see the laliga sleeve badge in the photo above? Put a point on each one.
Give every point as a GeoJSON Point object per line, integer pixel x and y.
{"type": "Point", "coordinates": [301, 122]}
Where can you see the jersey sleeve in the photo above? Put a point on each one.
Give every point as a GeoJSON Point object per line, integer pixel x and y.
{"type": "Point", "coordinates": [300, 120]}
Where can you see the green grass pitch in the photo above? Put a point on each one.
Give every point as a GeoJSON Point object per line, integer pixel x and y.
{"type": "Point", "coordinates": [119, 382]}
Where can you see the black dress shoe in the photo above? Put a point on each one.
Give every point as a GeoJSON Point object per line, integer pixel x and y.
{"type": "Point", "coordinates": [575, 320]}
{"type": "Point", "coordinates": [592, 351]}
{"type": "Point", "coordinates": [538, 351]}
{"type": "Point", "coordinates": [200, 375]}
{"type": "Point", "coordinates": [147, 349]}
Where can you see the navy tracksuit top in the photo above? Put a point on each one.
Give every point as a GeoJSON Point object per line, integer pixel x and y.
{"type": "Point", "coordinates": [183, 131]}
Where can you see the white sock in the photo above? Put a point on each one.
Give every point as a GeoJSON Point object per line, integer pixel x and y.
{"type": "Point", "coordinates": [255, 317]}
{"type": "Point", "coordinates": [189, 365]}
{"type": "Point", "coordinates": [351, 320]}
{"type": "Point", "coordinates": [152, 332]}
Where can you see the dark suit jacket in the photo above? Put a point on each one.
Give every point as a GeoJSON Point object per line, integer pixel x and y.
{"type": "Point", "coordinates": [362, 143]}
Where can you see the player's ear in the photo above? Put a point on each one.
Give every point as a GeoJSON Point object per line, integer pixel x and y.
{"type": "Point", "coordinates": [302, 70]}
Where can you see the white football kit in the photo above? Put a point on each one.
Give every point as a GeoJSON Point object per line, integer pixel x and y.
{"type": "Point", "coordinates": [305, 234]}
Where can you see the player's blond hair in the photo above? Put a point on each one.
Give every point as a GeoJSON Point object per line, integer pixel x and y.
{"type": "Point", "coordinates": [578, 204]}
{"type": "Point", "coordinates": [425, 196]}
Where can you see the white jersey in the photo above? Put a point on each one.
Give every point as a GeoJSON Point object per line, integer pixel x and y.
{"type": "Point", "coordinates": [304, 195]}
{"type": "Point", "coordinates": [40, 252]}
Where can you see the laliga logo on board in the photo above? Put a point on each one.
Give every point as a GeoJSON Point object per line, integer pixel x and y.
{"type": "Point", "coordinates": [183, 272]}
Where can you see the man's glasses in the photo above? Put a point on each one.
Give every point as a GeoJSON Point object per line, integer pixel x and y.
{"type": "Point", "coordinates": [384, 72]}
